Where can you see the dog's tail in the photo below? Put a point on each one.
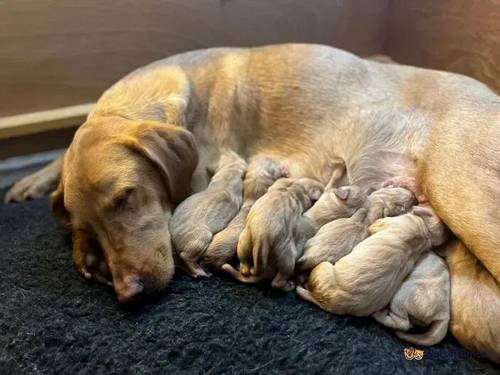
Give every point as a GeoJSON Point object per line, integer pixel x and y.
{"type": "Point", "coordinates": [432, 336]}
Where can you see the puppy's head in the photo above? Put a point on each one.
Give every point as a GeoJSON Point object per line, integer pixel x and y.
{"type": "Point", "coordinates": [120, 179]}
{"type": "Point", "coordinates": [314, 189]}
{"type": "Point", "coordinates": [439, 233]}
{"type": "Point", "coordinates": [337, 203]}
{"type": "Point", "coordinates": [262, 172]}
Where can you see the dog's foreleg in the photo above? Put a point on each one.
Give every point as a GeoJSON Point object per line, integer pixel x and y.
{"type": "Point", "coordinates": [37, 184]}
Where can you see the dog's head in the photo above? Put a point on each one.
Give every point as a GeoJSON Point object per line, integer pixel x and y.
{"type": "Point", "coordinates": [120, 179]}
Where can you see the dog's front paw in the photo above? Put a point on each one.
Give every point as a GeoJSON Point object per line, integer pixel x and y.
{"type": "Point", "coordinates": [97, 268]}
{"type": "Point", "coordinates": [31, 187]}
{"type": "Point", "coordinates": [89, 259]}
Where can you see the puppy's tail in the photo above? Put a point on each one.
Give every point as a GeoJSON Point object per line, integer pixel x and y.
{"type": "Point", "coordinates": [307, 296]}
{"type": "Point", "coordinates": [435, 334]}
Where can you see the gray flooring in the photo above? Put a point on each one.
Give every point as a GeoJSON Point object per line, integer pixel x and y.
{"type": "Point", "coordinates": [13, 169]}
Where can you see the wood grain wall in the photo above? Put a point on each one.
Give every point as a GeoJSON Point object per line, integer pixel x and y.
{"type": "Point", "coordinates": [461, 36]}
{"type": "Point", "coordinates": [59, 53]}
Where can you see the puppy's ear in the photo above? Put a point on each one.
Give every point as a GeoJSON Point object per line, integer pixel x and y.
{"type": "Point", "coordinates": [314, 189]}
{"type": "Point", "coordinates": [57, 204]}
{"type": "Point", "coordinates": [173, 150]}
{"type": "Point", "coordinates": [341, 193]}
{"type": "Point", "coordinates": [422, 211]}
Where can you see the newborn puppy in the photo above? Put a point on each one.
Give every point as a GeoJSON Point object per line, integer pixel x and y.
{"type": "Point", "coordinates": [389, 201]}
{"type": "Point", "coordinates": [424, 300]}
{"type": "Point", "coordinates": [200, 216]}
{"type": "Point", "coordinates": [365, 280]}
{"type": "Point", "coordinates": [334, 240]}
{"type": "Point", "coordinates": [267, 247]}
{"type": "Point", "coordinates": [262, 172]}
{"type": "Point", "coordinates": [337, 238]}
{"type": "Point", "coordinates": [335, 203]}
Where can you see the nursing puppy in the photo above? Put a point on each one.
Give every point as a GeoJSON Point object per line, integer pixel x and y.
{"type": "Point", "coordinates": [199, 217]}
{"type": "Point", "coordinates": [262, 172]}
{"type": "Point", "coordinates": [334, 240]}
{"type": "Point", "coordinates": [335, 203]}
{"type": "Point", "coordinates": [389, 201]}
{"type": "Point", "coordinates": [365, 280]}
{"type": "Point", "coordinates": [423, 300]}
{"type": "Point", "coordinates": [271, 241]}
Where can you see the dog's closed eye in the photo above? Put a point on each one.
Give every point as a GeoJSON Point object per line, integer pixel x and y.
{"type": "Point", "coordinates": [122, 198]}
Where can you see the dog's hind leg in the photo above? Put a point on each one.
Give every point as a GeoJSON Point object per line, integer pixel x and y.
{"type": "Point", "coordinates": [475, 302]}
{"type": "Point", "coordinates": [459, 172]}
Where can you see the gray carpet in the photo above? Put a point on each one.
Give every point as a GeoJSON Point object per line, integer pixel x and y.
{"type": "Point", "coordinates": [54, 321]}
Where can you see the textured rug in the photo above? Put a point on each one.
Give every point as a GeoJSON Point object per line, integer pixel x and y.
{"type": "Point", "coordinates": [54, 321]}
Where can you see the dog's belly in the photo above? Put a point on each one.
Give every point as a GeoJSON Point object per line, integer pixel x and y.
{"type": "Point", "coordinates": [376, 146]}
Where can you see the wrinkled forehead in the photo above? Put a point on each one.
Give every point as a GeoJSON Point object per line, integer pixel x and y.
{"type": "Point", "coordinates": [97, 171]}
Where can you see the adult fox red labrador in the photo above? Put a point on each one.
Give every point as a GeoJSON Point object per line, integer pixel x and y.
{"type": "Point", "coordinates": [153, 135]}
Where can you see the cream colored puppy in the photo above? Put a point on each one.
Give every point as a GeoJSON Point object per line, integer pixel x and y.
{"type": "Point", "coordinates": [337, 238]}
{"type": "Point", "coordinates": [389, 201]}
{"type": "Point", "coordinates": [198, 218]}
{"type": "Point", "coordinates": [334, 240]}
{"type": "Point", "coordinates": [423, 300]}
{"type": "Point", "coordinates": [262, 172]}
{"type": "Point", "coordinates": [335, 203]}
{"type": "Point", "coordinates": [365, 280]}
{"type": "Point", "coordinates": [271, 241]}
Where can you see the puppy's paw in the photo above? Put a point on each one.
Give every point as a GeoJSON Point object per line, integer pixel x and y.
{"type": "Point", "coordinates": [222, 249]}
{"type": "Point", "coordinates": [191, 247]}
{"type": "Point", "coordinates": [193, 267]}
{"type": "Point", "coordinates": [301, 279]}
{"type": "Point", "coordinates": [284, 285]}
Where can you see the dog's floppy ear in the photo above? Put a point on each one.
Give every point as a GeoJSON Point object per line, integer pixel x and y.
{"type": "Point", "coordinates": [57, 204]}
{"type": "Point", "coordinates": [173, 150]}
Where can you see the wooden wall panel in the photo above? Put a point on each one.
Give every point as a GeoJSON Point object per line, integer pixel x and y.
{"type": "Point", "coordinates": [59, 53]}
{"type": "Point", "coordinates": [461, 36]}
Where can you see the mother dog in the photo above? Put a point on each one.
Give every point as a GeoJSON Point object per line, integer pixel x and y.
{"type": "Point", "coordinates": [311, 105]}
